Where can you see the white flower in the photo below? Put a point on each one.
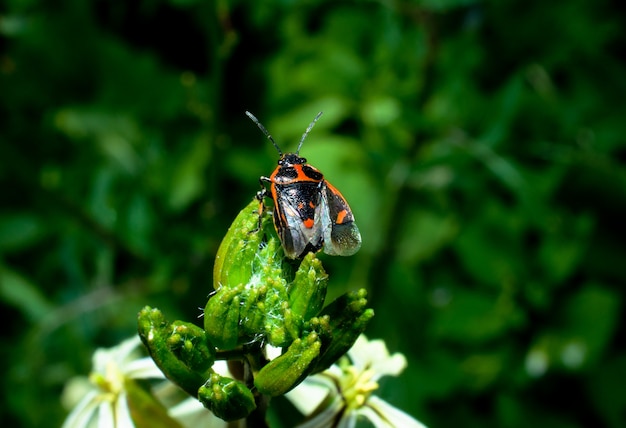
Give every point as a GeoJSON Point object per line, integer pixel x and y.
{"type": "Point", "coordinates": [344, 392]}
{"type": "Point", "coordinates": [102, 399]}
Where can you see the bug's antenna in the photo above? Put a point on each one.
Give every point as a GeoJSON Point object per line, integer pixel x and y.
{"type": "Point", "coordinates": [307, 131]}
{"type": "Point", "coordinates": [267, 134]}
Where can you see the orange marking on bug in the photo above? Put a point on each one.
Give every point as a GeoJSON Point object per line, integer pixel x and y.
{"type": "Point", "coordinates": [300, 172]}
{"type": "Point", "coordinates": [311, 204]}
{"type": "Point", "coordinates": [341, 216]}
{"type": "Point", "coordinates": [300, 175]}
{"type": "Point", "coordinates": [308, 223]}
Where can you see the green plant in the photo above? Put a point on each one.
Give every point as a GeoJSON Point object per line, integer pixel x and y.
{"type": "Point", "coordinates": [261, 298]}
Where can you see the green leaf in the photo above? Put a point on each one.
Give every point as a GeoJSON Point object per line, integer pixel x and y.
{"type": "Point", "coordinates": [18, 291]}
{"type": "Point", "coordinates": [19, 230]}
{"type": "Point", "coordinates": [472, 317]}
{"type": "Point", "coordinates": [145, 410]}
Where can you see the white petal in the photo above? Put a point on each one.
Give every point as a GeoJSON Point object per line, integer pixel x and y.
{"type": "Point", "coordinates": [221, 367]}
{"type": "Point", "coordinates": [127, 347]}
{"type": "Point", "coordinates": [326, 418]}
{"type": "Point", "coordinates": [360, 353]}
{"type": "Point", "coordinates": [80, 416]}
{"type": "Point", "coordinates": [75, 391]}
{"type": "Point", "coordinates": [143, 368]}
{"type": "Point", "coordinates": [392, 366]}
{"type": "Point", "coordinates": [189, 415]}
{"type": "Point", "coordinates": [375, 418]}
{"type": "Point", "coordinates": [122, 413]}
{"type": "Point", "coordinates": [373, 354]}
{"type": "Point", "coordinates": [187, 406]}
{"type": "Point", "coordinates": [118, 354]}
{"type": "Point", "coordinates": [334, 372]}
{"type": "Point", "coordinates": [307, 396]}
{"type": "Point", "coordinates": [272, 352]}
{"type": "Point", "coordinates": [348, 420]}
{"type": "Point", "coordinates": [100, 359]}
{"type": "Point", "coordinates": [393, 416]}
{"type": "Point", "coordinates": [106, 418]}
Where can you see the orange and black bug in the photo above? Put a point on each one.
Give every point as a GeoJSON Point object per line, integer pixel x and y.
{"type": "Point", "coordinates": [309, 212]}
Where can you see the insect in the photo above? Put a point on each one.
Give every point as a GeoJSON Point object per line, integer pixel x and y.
{"type": "Point", "coordinates": [309, 212]}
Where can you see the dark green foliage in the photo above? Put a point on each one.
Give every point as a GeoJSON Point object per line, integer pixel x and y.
{"type": "Point", "coordinates": [479, 144]}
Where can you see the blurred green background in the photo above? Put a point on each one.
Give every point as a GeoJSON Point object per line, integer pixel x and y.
{"type": "Point", "coordinates": [480, 144]}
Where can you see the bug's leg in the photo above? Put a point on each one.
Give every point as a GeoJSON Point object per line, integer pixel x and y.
{"type": "Point", "coordinates": [260, 196]}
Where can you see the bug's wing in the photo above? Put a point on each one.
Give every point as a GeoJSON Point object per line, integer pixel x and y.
{"type": "Point", "coordinates": [341, 234]}
{"type": "Point", "coordinates": [295, 214]}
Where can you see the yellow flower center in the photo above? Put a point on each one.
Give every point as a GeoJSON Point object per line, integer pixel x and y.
{"type": "Point", "coordinates": [357, 386]}
{"type": "Point", "coordinates": [111, 383]}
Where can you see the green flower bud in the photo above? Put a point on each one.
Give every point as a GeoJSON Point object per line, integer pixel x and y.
{"type": "Point", "coordinates": [221, 317]}
{"type": "Point", "coordinates": [250, 284]}
{"type": "Point", "coordinates": [180, 350]}
{"type": "Point", "coordinates": [255, 294]}
{"type": "Point", "coordinates": [308, 290]}
{"type": "Point", "coordinates": [286, 371]}
{"type": "Point", "coordinates": [236, 254]}
{"type": "Point", "coordinates": [340, 325]}
{"type": "Point", "coordinates": [227, 398]}
{"type": "Point", "coordinates": [275, 326]}
{"type": "Point", "coordinates": [191, 345]}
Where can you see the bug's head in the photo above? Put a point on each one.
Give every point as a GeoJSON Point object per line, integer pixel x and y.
{"type": "Point", "coordinates": [289, 159]}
